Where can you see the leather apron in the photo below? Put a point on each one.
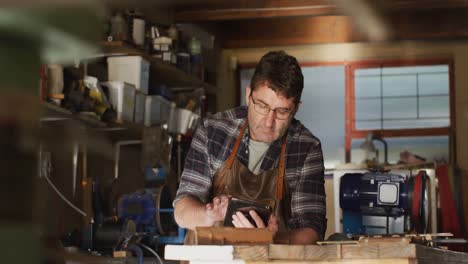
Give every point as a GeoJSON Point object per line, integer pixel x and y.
{"type": "Point", "coordinates": [266, 188]}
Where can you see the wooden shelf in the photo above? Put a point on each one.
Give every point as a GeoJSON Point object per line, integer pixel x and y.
{"type": "Point", "coordinates": [163, 72]}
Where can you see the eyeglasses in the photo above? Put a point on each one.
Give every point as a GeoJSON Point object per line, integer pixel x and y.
{"type": "Point", "coordinates": [264, 109]}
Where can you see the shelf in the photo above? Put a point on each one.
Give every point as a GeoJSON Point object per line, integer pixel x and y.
{"type": "Point", "coordinates": [167, 73]}
{"type": "Point", "coordinates": [53, 112]}
{"type": "Point", "coordinates": [117, 131]}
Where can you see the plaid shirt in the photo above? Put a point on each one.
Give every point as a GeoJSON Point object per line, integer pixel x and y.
{"type": "Point", "coordinates": [212, 145]}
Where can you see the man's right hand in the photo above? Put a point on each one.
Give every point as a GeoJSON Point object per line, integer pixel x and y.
{"type": "Point", "coordinates": [216, 210]}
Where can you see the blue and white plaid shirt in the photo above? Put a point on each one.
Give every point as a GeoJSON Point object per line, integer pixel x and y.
{"type": "Point", "coordinates": [212, 145]}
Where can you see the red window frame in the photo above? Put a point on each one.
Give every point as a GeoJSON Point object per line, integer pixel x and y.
{"type": "Point", "coordinates": [350, 124]}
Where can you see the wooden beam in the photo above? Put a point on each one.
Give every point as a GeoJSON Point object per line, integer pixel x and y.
{"type": "Point", "coordinates": [254, 9]}
{"type": "Point", "coordinates": [431, 24]}
{"type": "Point", "coordinates": [290, 31]}
{"type": "Point", "coordinates": [253, 13]}
{"type": "Point", "coordinates": [423, 4]}
{"type": "Point", "coordinates": [231, 236]}
{"type": "Point", "coordinates": [364, 252]}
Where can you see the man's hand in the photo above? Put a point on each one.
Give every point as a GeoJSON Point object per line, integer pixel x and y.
{"type": "Point", "coordinates": [239, 220]}
{"type": "Point", "coordinates": [216, 210]}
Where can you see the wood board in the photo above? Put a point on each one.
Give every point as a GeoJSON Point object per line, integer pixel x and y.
{"type": "Point", "coordinates": [384, 252]}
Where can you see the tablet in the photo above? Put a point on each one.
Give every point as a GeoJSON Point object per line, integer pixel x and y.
{"type": "Point", "coordinates": [244, 206]}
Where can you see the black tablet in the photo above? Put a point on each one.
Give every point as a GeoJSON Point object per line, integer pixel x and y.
{"type": "Point", "coordinates": [244, 206]}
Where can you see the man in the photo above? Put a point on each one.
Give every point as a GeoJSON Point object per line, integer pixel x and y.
{"type": "Point", "coordinates": [249, 152]}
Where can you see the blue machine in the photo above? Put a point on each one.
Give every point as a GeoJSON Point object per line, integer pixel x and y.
{"type": "Point", "coordinates": [379, 196]}
{"type": "Point", "coordinates": [143, 208]}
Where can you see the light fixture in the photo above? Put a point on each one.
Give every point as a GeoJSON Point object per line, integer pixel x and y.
{"type": "Point", "coordinates": [368, 144]}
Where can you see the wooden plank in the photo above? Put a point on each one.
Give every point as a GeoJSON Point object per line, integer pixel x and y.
{"type": "Point", "coordinates": [251, 252]}
{"type": "Point", "coordinates": [121, 254]}
{"type": "Point", "coordinates": [428, 261]}
{"type": "Point", "coordinates": [386, 252]}
{"type": "Point", "coordinates": [360, 251]}
{"type": "Point", "coordinates": [302, 30]}
{"type": "Point", "coordinates": [348, 261]}
{"type": "Point", "coordinates": [252, 9]}
{"type": "Point", "coordinates": [326, 252]}
{"type": "Point", "coordinates": [295, 252]}
{"type": "Point", "coordinates": [250, 13]}
{"type": "Point", "coordinates": [423, 252]}
{"type": "Point", "coordinates": [397, 250]}
{"type": "Point", "coordinates": [290, 31]}
{"type": "Point", "coordinates": [232, 236]}
{"type": "Point", "coordinates": [441, 255]}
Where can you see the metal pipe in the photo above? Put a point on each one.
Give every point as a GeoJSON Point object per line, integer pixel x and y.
{"type": "Point", "coordinates": [76, 149]}
{"type": "Point", "coordinates": [385, 149]}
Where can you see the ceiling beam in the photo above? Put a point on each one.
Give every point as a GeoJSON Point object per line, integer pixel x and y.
{"type": "Point", "coordinates": [430, 25]}
{"type": "Point", "coordinates": [393, 5]}
{"type": "Point", "coordinates": [254, 9]}
{"type": "Point", "coordinates": [290, 31]}
{"type": "Point", "coordinates": [252, 13]}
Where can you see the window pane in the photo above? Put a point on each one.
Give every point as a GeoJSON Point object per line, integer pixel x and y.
{"type": "Point", "coordinates": [399, 85]}
{"type": "Point", "coordinates": [430, 148]}
{"type": "Point", "coordinates": [399, 108]}
{"type": "Point", "coordinates": [415, 69]}
{"type": "Point", "coordinates": [415, 123]}
{"type": "Point", "coordinates": [433, 84]}
{"type": "Point", "coordinates": [434, 106]}
{"type": "Point", "coordinates": [367, 72]}
{"type": "Point", "coordinates": [367, 87]}
{"type": "Point", "coordinates": [245, 76]}
{"type": "Point", "coordinates": [364, 125]}
{"type": "Point", "coordinates": [368, 109]}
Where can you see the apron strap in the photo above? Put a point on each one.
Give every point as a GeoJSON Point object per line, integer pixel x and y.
{"type": "Point", "coordinates": [233, 155]}
{"type": "Point", "coordinates": [279, 184]}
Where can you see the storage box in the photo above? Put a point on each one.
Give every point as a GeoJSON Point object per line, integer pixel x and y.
{"type": "Point", "coordinates": [152, 110]}
{"type": "Point", "coordinates": [130, 69]}
{"type": "Point", "coordinates": [122, 99]}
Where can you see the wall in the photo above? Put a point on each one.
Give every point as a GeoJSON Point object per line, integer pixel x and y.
{"type": "Point", "coordinates": [360, 51]}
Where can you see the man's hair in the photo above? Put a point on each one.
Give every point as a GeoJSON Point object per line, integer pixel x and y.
{"type": "Point", "coordinates": [280, 72]}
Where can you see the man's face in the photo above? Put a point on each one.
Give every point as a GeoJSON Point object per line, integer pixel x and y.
{"type": "Point", "coordinates": [264, 125]}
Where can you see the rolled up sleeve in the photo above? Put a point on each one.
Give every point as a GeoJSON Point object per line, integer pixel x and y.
{"type": "Point", "coordinates": [195, 179]}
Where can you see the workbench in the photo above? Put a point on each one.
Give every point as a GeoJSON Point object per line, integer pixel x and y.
{"type": "Point", "coordinates": [353, 253]}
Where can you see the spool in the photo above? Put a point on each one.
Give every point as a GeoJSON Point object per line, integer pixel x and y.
{"type": "Point", "coordinates": [165, 222]}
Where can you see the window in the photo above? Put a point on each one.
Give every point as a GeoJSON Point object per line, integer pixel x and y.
{"type": "Point", "coordinates": [400, 99]}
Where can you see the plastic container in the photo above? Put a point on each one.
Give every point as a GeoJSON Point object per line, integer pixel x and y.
{"type": "Point", "coordinates": [122, 99]}
{"type": "Point", "coordinates": [130, 69]}
{"type": "Point", "coordinates": [152, 110]}
{"type": "Point", "coordinates": [138, 32]}
{"type": "Point", "coordinates": [181, 120]}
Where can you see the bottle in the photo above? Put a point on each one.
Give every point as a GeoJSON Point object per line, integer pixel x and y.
{"type": "Point", "coordinates": [196, 58]}
{"type": "Point", "coordinates": [119, 29]}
